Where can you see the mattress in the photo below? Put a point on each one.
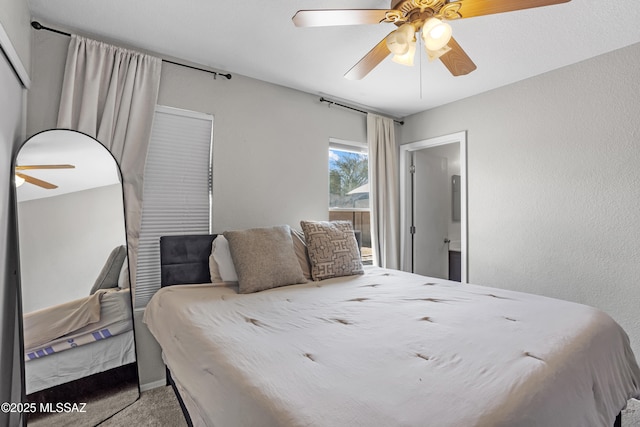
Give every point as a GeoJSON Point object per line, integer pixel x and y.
{"type": "Point", "coordinates": [98, 356]}
{"type": "Point", "coordinates": [114, 319]}
{"type": "Point", "coordinates": [390, 348]}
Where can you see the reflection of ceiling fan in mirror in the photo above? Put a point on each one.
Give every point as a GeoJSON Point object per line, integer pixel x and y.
{"type": "Point", "coordinates": [427, 17]}
{"type": "Point", "coordinates": [21, 178]}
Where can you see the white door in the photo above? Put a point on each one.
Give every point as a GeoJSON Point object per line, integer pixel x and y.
{"type": "Point", "coordinates": [431, 214]}
{"type": "Point", "coordinates": [457, 163]}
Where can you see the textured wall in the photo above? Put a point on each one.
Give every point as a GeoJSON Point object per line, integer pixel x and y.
{"type": "Point", "coordinates": [270, 156]}
{"type": "Point", "coordinates": [554, 183]}
{"type": "Point", "coordinates": [270, 148]}
{"type": "Point", "coordinates": [64, 243]}
{"type": "Point", "coordinates": [270, 142]}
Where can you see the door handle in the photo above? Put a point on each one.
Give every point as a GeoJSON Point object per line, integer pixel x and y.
{"type": "Point", "coordinates": [447, 240]}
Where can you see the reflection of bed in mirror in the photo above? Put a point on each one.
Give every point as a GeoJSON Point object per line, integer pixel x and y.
{"type": "Point", "coordinates": [57, 338]}
{"type": "Point", "coordinates": [112, 345]}
{"type": "Point", "coordinates": [76, 301]}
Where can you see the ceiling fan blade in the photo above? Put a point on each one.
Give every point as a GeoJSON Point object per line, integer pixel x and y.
{"type": "Point", "coordinates": [369, 61]}
{"type": "Point", "coordinates": [35, 181]}
{"type": "Point", "coordinates": [28, 167]}
{"type": "Point", "coordinates": [326, 18]}
{"type": "Point", "coordinates": [471, 8]}
{"type": "Point", "coordinates": [456, 60]}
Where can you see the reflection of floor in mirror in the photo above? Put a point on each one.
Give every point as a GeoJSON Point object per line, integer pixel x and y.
{"type": "Point", "coordinates": [98, 408]}
{"type": "Point", "coordinates": [104, 394]}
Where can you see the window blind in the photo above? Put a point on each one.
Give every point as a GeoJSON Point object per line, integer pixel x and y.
{"type": "Point", "coordinates": [350, 146]}
{"type": "Point", "coordinates": [177, 189]}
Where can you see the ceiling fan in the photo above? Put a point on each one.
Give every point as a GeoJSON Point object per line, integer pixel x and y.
{"type": "Point", "coordinates": [427, 17]}
{"type": "Point", "coordinates": [21, 178]}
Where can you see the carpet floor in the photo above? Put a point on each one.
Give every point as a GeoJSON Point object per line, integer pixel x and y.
{"type": "Point", "coordinates": [159, 407]}
{"type": "Point", "coordinates": [156, 407]}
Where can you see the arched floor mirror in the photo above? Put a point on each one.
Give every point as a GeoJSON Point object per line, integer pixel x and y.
{"type": "Point", "coordinates": [78, 339]}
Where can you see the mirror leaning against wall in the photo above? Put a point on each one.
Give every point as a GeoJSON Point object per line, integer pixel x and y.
{"type": "Point", "coordinates": [78, 338]}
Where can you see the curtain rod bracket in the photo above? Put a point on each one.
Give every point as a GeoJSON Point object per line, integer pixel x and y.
{"type": "Point", "coordinates": [215, 75]}
{"type": "Point", "coordinates": [328, 101]}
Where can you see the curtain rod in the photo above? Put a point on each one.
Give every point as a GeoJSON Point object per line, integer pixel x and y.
{"type": "Point", "coordinates": [400, 122]}
{"type": "Point", "coordinates": [39, 26]}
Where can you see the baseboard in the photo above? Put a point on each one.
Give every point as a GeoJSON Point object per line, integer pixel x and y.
{"type": "Point", "coordinates": [152, 385]}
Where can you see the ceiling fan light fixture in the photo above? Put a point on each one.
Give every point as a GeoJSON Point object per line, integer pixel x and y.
{"type": "Point", "coordinates": [406, 58]}
{"type": "Point", "coordinates": [18, 180]}
{"type": "Point", "coordinates": [396, 44]}
{"type": "Point", "coordinates": [399, 41]}
{"type": "Point", "coordinates": [436, 34]}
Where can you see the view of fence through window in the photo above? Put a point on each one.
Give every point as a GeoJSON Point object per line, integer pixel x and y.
{"type": "Point", "coordinates": [349, 193]}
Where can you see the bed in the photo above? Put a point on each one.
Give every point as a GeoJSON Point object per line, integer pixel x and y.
{"type": "Point", "coordinates": [83, 337]}
{"type": "Point", "coordinates": [382, 348]}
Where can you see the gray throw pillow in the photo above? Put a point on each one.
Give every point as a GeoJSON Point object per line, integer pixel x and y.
{"type": "Point", "coordinates": [300, 249]}
{"type": "Point", "coordinates": [333, 249]}
{"type": "Point", "coordinates": [264, 258]}
{"type": "Point", "coordinates": [110, 273]}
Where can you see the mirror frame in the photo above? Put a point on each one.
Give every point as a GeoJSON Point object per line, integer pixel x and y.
{"type": "Point", "coordinates": [19, 284]}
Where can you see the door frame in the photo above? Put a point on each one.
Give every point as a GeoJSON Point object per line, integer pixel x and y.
{"type": "Point", "coordinates": [405, 197]}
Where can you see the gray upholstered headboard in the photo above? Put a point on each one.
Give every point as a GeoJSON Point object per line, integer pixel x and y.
{"type": "Point", "coordinates": [185, 259]}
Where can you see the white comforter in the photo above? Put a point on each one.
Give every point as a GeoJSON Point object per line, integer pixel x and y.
{"type": "Point", "coordinates": [391, 349]}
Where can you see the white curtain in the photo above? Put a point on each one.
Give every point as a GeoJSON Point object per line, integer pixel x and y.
{"type": "Point", "coordinates": [110, 93]}
{"type": "Point", "coordinates": [384, 193]}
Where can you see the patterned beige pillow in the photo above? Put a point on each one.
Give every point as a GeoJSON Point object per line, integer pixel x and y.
{"type": "Point", "coordinates": [333, 249]}
{"type": "Point", "coordinates": [264, 258]}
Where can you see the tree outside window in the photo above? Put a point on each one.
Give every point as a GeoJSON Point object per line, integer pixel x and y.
{"type": "Point", "coordinates": [349, 193]}
{"type": "Point", "coordinates": [348, 180]}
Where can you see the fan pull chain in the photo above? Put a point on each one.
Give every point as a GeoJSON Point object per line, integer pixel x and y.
{"type": "Point", "coordinates": [421, 49]}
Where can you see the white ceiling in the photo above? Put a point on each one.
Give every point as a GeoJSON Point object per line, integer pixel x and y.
{"type": "Point", "coordinates": [258, 39]}
{"type": "Point", "coordinates": [94, 165]}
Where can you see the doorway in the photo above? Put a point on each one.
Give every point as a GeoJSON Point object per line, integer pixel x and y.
{"type": "Point", "coordinates": [434, 207]}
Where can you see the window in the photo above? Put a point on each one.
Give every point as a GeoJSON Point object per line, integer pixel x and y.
{"type": "Point", "coordinates": [177, 189]}
{"type": "Point", "coordinates": [348, 176]}
{"type": "Point", "coordinates": [349, 188]}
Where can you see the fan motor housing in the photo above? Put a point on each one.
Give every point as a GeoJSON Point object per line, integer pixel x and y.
{"type": "Point", "coordinates": [414, 11]}
{"type": "Point", "coordinates": [407, 6]}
